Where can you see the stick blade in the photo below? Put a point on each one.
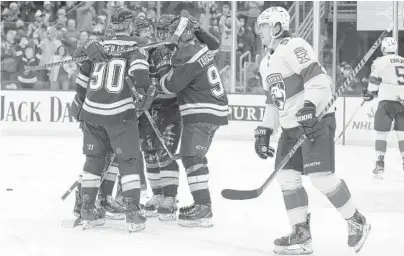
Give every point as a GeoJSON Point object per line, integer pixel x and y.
{"type": "Point", "coordinates": [232, 194]}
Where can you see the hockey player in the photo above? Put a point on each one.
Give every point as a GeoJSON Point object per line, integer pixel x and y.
{"type": "Point", "coordinates": [105, 105]}
{"type": "Point", "coordinates": [203, 104]}
{"type": "Point", "coordinates": [298, 89]}
{"type": "Point", "coordinates": [386, 81]}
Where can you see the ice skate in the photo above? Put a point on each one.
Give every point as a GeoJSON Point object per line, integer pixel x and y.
{"type": "Point", "coordinates": [358, 231]}
{"type": "Point", "coordinates": [77, 205]}
{"type": "Point", "coordinates": [186, 208]}
{"type": "Point", "coordinates": [168, 209]}
{"type": "Point", "coordinates": [144, 196]}
{"type": "Point", "coordinates": [134, 219]}
{"type": "Point", "coordinates": [379, 169]}
{"type": "Point", "coordinates": [114, 209]}
{"type": "Point", "coordinates": [197, 215]}
{"type": "Point", "coordinates": [152, 205]}
{"type": "Point", "coordinates": [90, 215]}
{"type": "Point", "coordinates": [296, 243]}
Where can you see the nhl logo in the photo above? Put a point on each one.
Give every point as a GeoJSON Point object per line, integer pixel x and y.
{"type": "Point", "coordinates": [277, 90]}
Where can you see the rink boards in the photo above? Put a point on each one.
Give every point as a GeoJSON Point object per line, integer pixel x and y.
{"type": "Point", "coordinates": [47, 113]}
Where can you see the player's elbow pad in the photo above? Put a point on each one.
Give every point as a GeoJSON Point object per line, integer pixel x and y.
{"type": "Point", "coordinates": [207, 38]}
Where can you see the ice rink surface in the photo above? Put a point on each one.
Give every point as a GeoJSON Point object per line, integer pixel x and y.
{"type": "Point", "coordinates": [40, 169]}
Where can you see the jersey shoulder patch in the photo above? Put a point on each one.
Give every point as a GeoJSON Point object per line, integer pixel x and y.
{"type": "Point", "coordinates": [187, 54]}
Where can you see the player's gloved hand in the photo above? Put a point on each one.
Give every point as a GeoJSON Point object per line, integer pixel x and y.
{"type": "Point", "coordinates": [94, 51]}
{"type": "Point", "coordinates": [146, 98]}
{"type": "Point", "coordinates": [308, 121]}
{"type": "Point", "coordinates": [161, 59]}
{"type": "Point", "coordinates": [76, 107]}
{"type": "Point", "coordinates": [262, 148]}
{"type": "Point", "coordinates": [367, 95]}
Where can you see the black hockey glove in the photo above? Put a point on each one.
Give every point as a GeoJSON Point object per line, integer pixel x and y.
{"type": "Point", "coordinates": [308, 121]}
{"type": "Point", "coordinates": [146, 98]}
{"type": "Point", "coordinates": [207, 38]}
{"type": "Point", "coordinates": [262, 137]}
{"type": "Point", "coordinates": [161, 60]}
{"type": "Point", "coordinates": [93, 50]}
{"type": "Point", "coordinates": [76, 107]}
{"type": "Point", "coordinates": [367, 95]}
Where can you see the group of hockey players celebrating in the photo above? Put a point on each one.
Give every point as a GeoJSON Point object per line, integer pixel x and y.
{"type": "Point", "coordinates": [181, 89]}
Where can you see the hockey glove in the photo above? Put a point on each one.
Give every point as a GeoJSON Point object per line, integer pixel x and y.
{"type": "Point", "coordinates": [308, 121]}
{"type": "Point", "coordinates": [181, 27]}
{"type": "Point", "coordinates": [76, 107]}
{"type": "Point", "coordinates": [207, 38]}
{"type": "Point", "coordinates": [94, 51]}
{"type": "Point", "coordinates": [262, 137]}
{"type": "Point", "coordinates": [161, 60]}
{"type": "Point", "coordinates": [367, 95]}
{"type": "Point", "coordinates": [146, 99]}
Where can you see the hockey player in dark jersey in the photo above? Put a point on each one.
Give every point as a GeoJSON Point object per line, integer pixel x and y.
{"type": "Point", "coordinates": [203, 104]}
{"type": "Point", "coordinates": [105, 105]}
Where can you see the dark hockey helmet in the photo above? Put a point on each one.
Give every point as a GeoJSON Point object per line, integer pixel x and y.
{"type": "Point", "coordinates": [141, 27]}
{"type": "Point", "coordinates": [122, 20]}
{"type": "Point", "coordinates": [167, 25]}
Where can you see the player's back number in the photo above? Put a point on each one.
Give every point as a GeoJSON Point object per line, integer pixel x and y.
{"type": "Point", "coordinates": [400, 74]}
{"type": "Point", "coordinates": [109, 74]}
{"type": "Point", "coordinates": [215, 81]}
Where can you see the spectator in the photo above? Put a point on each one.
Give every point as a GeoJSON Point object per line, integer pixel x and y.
{"type": "Point", "coordinates": [21, 46]}
{"type": "Point", "coordinates": [254, 84]}
{"type": "Point", "coordinates": [71, 10]}
{"type": "Point", "coordinates": [71, 36]}
{"type": "Point", "coordinates": [21, 31]}
{"type": "Point", "coordinates": [83, 38]}
{"type": "Point", "coordinates": [28, 9]}
{"type": "Point", "coordinates": [99, 28]}
{"type": "Point", "coordinates": [8, 54]}
{"type": "Point", "coordinates": [224, 54]}
{"type": "Point", "coordinates": [61, 19]}
{"type": "Point", "coordinates": [152, 15]}
{"type": "Point", "coordinates": [27, 79]}
{"type": "Point", "coordinates": [60, 76]}
{"type": "Point", "coordinates": [85, 16]}
{"type": "Point", "coordinates": [12, 13]}
{"type": "Point", "coordinates": [47, 11]}
{"type": "Point", "coordinates": [39, 21]}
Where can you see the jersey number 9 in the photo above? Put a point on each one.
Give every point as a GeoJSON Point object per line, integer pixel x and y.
{"type": "Point", "coordinates": [400, 74]}
{"type": "Point", "coordinates": [109, 74]}
{"type": "Point", "coordinates": [215, 81]}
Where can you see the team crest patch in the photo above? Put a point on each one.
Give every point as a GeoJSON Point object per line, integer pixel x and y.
{"type": "Point", "coordinates": [277, 90]}
{"type": "Point", "coordinates": [301, 55]}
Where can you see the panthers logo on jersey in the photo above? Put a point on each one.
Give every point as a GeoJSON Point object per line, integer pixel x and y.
{"type": "Point", "coordinates": [277, 90]}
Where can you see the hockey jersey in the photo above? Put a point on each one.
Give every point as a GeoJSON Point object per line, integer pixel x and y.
{"type": "Point", "coordinates": [107, 98]}
{"type": "Point", "coordinates": [196, 80]}
{"type": "Point", "coordinates": [290, 76]}
{"type": "Point", "coordinates": [387, 77]}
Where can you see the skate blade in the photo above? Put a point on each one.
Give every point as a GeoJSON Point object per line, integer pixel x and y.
{"type": "Point", "coordinates": [366, 231]}
{"type": "Point", "coordinates": [151, 214]}
{"type": "Point", "coordinates": [203, 223]}
{"type": "Point", "coordinates": [298, 249]}
{"type": "Point", "coordinates": [94, 223]}
{"type": "Point", "coordinates": [133, 227]}
{"type": "Point", "coordinates": [167, 216]}
{"type": "Point", "coordinates": [71, 223]}
{"type": "Point", "coordinates": [115, 216]}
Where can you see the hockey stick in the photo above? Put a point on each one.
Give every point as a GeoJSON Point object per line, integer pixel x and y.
{"type": "Point", "coordinates": [74, 185]}
{"type": "Point", "coordinates": [399, 99]}
{"type": "Point", "coordinates": [83, 58]}
{"type": "Point", "coordinates": [350, 120]}
{"type": "Point", "coordinates": [151, 121]}
{"type": "Point", "coordinates": [234, 194]}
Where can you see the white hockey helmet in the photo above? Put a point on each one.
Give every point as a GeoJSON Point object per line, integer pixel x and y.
{"type": "Point", "coordinates": [277, 17]}
{"type": "Point", "coordinates": [389, 45]}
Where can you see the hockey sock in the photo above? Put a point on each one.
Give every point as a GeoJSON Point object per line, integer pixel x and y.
{"type": "Point", "coordinates": [198, 176]}
{"type": "Point", "coordinates": [381, 143]}
{"type": "Point", "coordinates": [296, 203]}
{"type": "Point", "coordinates": [79, 180]}
{"type": "Point", "coordinates": [336, 191]}
{"type": "Point", "coordinates": [169, 179]}
{"type": "Point", "coordinates": [153, 175]}
{"type": "Point", "coordinates": [400, 138]}
{"type": "Point", "coordinates": [131, 186]}
{"type": "Point", "coordinates": [107, 185]}
{"type": "Point", "coordinates": [90, 184]}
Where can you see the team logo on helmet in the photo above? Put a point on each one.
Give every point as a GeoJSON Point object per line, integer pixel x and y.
{"type": "Point", "coordinates": [277, 90]}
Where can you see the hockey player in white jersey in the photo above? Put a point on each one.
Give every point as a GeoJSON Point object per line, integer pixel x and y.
{"type": "Point", "coordinates": [386, 81]}
{"type": "Point", "coordinates": [298, 89]}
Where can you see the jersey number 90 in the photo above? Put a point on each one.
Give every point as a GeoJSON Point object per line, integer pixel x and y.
{"type": "Point", "coordinates": [215, 81]}
{"type": "Point", "coordinates": [109, 74]}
